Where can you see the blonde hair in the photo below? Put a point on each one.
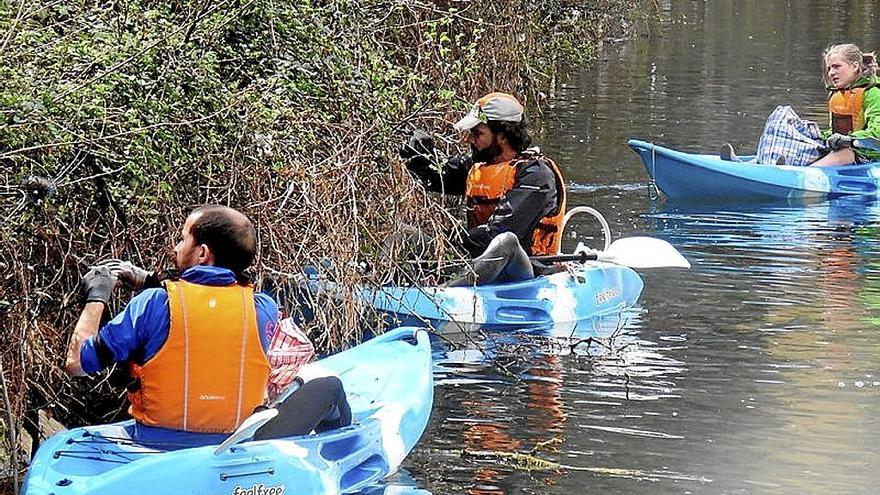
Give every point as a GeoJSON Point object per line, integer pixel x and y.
{"type": "Point", "coordinates": [867, 62]}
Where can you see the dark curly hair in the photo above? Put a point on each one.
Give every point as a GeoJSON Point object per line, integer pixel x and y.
{"type": "Point", "coordinates": [516, 133]}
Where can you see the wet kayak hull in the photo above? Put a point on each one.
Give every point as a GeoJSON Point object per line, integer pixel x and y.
{"type": "Point", "coordinates": [583, 292]}
{"type": "Point", "coordinates": [681, 175]}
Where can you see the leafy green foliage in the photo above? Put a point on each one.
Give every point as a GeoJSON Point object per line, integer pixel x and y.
{"type": "Point", "coordinates": [138, 110]}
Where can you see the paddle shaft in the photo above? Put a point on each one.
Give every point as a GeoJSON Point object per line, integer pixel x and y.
{"type": "Point", "coordinates": [550, 258]}
{"type": "Point", "coordinates": [634, 252]}
{"type": "Point", "coordinates": [559, 258]}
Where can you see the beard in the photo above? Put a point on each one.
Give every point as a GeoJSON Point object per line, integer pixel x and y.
{"type": "Point", "coordinates": [487, 154]}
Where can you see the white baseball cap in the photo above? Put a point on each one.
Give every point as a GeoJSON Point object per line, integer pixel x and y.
{"type": "Point", "coordinates": [493, 106]}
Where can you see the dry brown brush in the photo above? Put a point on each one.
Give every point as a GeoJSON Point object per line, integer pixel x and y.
{"type": "Point", "coordinates": [118, 116]}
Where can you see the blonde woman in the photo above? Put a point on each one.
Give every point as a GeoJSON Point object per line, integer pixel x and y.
{"type": "Point", "coordinates": [853, 104]}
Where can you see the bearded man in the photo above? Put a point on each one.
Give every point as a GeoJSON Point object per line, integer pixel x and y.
{"type": "Point", "coordinates": [515, 195]}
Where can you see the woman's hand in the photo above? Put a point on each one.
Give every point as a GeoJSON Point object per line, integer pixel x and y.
{"type": "Point", "coordinates": [839, 141]}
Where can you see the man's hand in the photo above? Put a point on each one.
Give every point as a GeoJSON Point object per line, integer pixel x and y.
{"type": "Point", "coordinates": [86, 328]}
{"type": "Point", "coordinates": [839, 141]}
{"type": "Point", "coordinates": [97, 285]}
{"type": "Point", "coordinates": [418, 150]}
{"type": "Point", "coordinates": [135, 277]}
{"type": "Point", "coordinates": [420, 143]}
{"type": "Point", "coordinates": [460, 161]}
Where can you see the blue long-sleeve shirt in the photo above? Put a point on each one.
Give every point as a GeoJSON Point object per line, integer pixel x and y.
{"type": "Point", "coordinates": [141, 329]}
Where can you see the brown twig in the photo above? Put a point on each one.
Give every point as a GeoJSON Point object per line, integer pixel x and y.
{"type": "Point", "coordinates": [12, 427]}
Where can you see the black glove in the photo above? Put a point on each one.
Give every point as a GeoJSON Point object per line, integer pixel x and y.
{"type": "Point", "coordinates": [97, 285]}
{"type": "Point", "coordinates": [839, 141]}
{"type": "Point", "coordinates": [135, 277]}
{"type": "Point", "coordinates": [460, 161]}
{"type": "Point", "coordinates": [418, 152]}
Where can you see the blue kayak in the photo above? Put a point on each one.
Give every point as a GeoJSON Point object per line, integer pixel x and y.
{"type": "Point", "coordinates": [681, 175]}
{"type": "Point", "coordinates": [389, 385]}
{"type": "Point", "coordinates": [583, 292]}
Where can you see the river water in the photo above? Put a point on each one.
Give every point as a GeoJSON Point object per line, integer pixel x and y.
{"type": "Point", "coordinates": [756, 371]}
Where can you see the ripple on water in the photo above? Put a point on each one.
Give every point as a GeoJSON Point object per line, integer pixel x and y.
{"type": "Point", "coordinates": [750, 369]}
{"type": "Point", "coordinates": [633, 432]}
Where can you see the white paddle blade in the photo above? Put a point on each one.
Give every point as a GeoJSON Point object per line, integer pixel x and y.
{"type": "Point", "coordinates": [247, 429]}
{"type": "Point", "coordinates": [643, 252]}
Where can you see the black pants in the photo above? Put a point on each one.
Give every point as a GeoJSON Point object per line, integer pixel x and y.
{"type": "Point", "coordinates": [318, 405]}
{"type": "Point", "coordinates": [504, 260]}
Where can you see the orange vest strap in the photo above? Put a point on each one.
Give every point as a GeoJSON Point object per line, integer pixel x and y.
{"type": "Point", "coordinates": [546, 239]}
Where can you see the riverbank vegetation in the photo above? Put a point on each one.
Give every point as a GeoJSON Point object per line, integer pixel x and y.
{"type": "Point", "coordinates": [116, 118]}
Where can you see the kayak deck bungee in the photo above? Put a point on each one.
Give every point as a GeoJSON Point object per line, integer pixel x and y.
{"type": "Point", "coordinates": [582, 292]}
{"type": "Point", "coordinates": [681, 175]}
{"type": "Point", "coordinates": [389, 385]}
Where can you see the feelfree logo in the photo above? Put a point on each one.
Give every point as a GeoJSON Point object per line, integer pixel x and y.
{"type": "Point", "coordinates": [607, 294]}
{"type": "Point", "coordinates": [259, 489]}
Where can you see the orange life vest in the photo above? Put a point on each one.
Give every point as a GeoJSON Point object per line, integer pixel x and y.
{"type": "Point", "coordinates": [488, 183]}
{"type": "Point", "coordinates": [211, 372]}
{"type": "Point", "coordinates": [846, 107]}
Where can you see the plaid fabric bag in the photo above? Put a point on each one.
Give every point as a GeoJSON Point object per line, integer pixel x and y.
{"type": "Point", "coordinates": [786, 135]}
{"type": "Point", "coordinates": [289, 349]}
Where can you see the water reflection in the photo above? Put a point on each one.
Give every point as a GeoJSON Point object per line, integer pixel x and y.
{"type": "Point", "coordinates": [799, 278]}
{"type": "Point", "coordinates": [506, 401]}
{"type": "Point", "coordinates": [740, 375]}
{"type": "Point", "coordinates": [758, 370]}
